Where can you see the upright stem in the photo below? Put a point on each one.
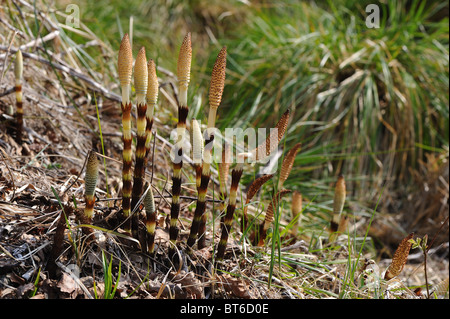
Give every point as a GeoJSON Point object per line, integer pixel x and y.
{"type": "Point", "coordinates": [125, 65]}
{"type": "Point", "coordinates": [183, 73]}
{"type": "Point", "coordinates": [226, 222]}
{"type": "Point", "coordinates": [141, 83]}
{"type": "Point", "coordinates": [18, 71]}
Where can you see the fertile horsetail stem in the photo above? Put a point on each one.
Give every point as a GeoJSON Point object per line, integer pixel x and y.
{"type": "Point", "coordinates": [183, 74]}
{"type": "Point", "coordinates": [338, 206]}
{"type": "Point", "coordinates": [274, 138]}
{"type": "Point", "coordinates": [252, 190]}
{"type": "Point", "coordinates": [217, 85]}
{"type": "Point", "coordinates": [400, 258]}
{"type": "Point", "coordinates": [197, 155]}
{"type": "Point", "coordinates": [297, 206]}
{"type": "Point", "coordinates": [260, 236]}
{"type": "Point", "coordinates": [90, 184]}
{"type": "Point", "coordinates": [224, 169]}
{"type": "Point", "coordinates": [184, 69]}
{"type": "Point", "coordinates": [150, 221]}
{"type": "Point", "coordinates": [215, 96]}
{"type": "Point", "coordinates": [152, 99]}
{"type": "Point", "coordinates": [226, 222]}
{"type": "Point", "coordinates": [287, 164]}
{"type": "Point", "coordinates": [18, 71]}
{"type": "Point", "coordinates": [140, 85]}
{"type": "Point", "coordinates": [125, 66]}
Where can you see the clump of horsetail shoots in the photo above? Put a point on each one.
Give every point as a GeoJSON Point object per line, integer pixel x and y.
{"type": "Point", "coordinates": [183, 74]}
{"type": "Point", "coordinates": [338, 206]}
{"type": "Point", "coordinates": [252, 190]}
{"type": "Point", "coordinates": [262, 151]}
{"type": "Point", "coordinates": [400, 258]}
{"type": "Point", "coordinates": [296, 208]}
{"type": "Point", "coordinates": [259, 236]}
{"type": "Point", "coordinates": [18, 72]}
{"type": "Point", "coordinates": [287, 164]}
{"type": "Point", "coordinates": [150, 221]}
{"type": "Point", "coordinates": [125, 66]}
{"type": "Point", "coordinates": [152, 99]}
{"type": "Point", "coordinates": [140, 84]}
{"type": "Point", "coordinates": [215, 97]}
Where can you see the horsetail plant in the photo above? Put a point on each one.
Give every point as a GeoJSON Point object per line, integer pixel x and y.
{"type": "Point", "coordinates": [183, 74]}
{"type": "Point", "coordinates": [150, 221]}
{"type": "Point", "coordinates": [215, 96]}
{"type": "Point", "coordinates": [296, 209]}
{"type": "Point", "coordinates": [91, 179]}
{"type": "Point", "coordinates": [274, 138]}
{"type": "Point", "coordinates": [125, 66]}
{"type": "Point", "coordinates": [227, 220]}
{"type": "Point", "coordinates": [224, 170]}
{"type": "Point", "coordinates": [197, 151]}
{"type": "Point", "coordinates": [252, 190]}
{"type": "Point", "coordinates": [140, 84]}
{"type": "Point", "coordinates": [400, 258]}
{"type": "Point", "coordinates": [259, 236]}
{"type": "Point", "coordinates": [152, 99]}
{"type": "Point", "coordinates": [287, 164]}
{"type": "Point", "coordinates": [338, 206]}
{"type": "Point", "coordinates": [18, 72]}
{"type": "Point", "coordinates": [197, 155]}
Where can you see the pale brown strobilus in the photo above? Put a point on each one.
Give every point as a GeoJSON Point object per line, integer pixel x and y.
{"type": "Point", "coordinates": [125, 67]}
{"type": "Point", "coordinates": [152, 99]}
{"type": "Point", "coordinates": [140, 85]}
{"type": "Point", "coordinates": [215, 97]}
{"type": "Point", "coordinates": [90, 183]}
{"type": "Point", "coordinates": [400, 258]}
{"type": "Point", "coordinates": [296, 208]}
{"type": "Point", "coordinates": [184, 75]}
{"type": "Point", "coordinates": [18, 72]}
{"type": "Point", "coordinates": [287, 164]}
{"type": "Point", "coordinates": [252, 190]}
{"type": "Point", "coordinates": [260, 235]}
{"type": "Point", "coordinates": [338, 220]}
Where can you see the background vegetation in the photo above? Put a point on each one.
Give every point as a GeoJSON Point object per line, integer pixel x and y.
{"type": "Point", "coordinates": [369, 103]}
